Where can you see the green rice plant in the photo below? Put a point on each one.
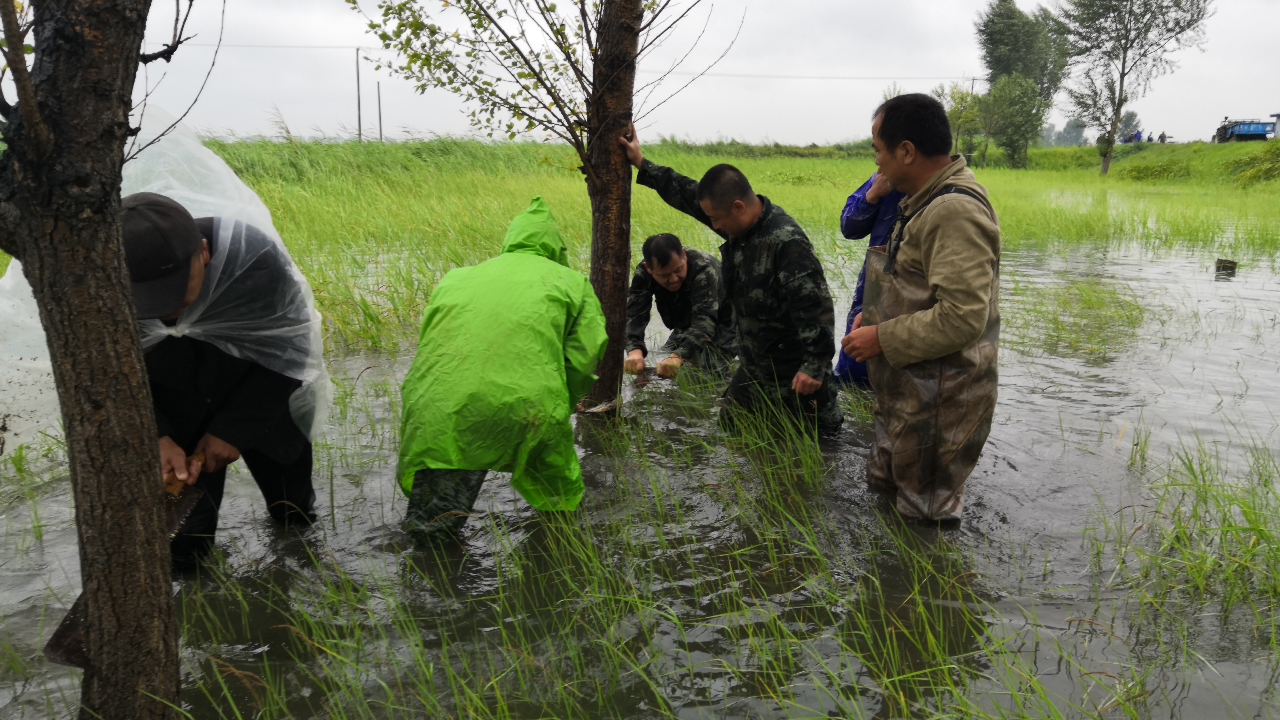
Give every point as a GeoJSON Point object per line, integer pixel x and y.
{"type": "Point", "coordinates": [858, 406]}
{"type": "Point", "coordinates": [1198, 556]}
{"type": "Point", "coordinates": [1087, 318]}
{"type": "Point", "coordinates": [1164, 170]}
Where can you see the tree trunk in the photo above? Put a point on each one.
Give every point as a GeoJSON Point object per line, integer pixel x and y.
{"type": "Point", "coordinates": [60, 215]}
{"type": "Point", "coordinates": [1111, 146]}
{"type": "Point", "coordinates": [609, 184]}
{"type": "Point", "coordinates": [1115, 121]}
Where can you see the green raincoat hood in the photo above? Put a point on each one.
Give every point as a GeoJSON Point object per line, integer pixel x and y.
{"type": "Point", "coordinates": [535, 231]}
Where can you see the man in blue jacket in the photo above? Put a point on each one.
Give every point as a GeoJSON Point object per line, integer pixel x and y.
{"type": "Point", "coordinates": [872, 210]}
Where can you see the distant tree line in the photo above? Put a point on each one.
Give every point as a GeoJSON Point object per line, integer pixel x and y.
{"type": "Point", "coordinates": [1103, 53]}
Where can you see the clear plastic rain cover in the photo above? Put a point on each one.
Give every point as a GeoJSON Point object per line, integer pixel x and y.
{"type": "Point", "coordinates": [244, 309]}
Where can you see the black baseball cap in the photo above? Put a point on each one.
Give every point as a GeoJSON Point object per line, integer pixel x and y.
{"type": "Point", "coordinates": [160, 238]}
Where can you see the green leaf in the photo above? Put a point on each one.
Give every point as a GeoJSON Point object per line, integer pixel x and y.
{"type": "Point", "coordinates": [26, 49]}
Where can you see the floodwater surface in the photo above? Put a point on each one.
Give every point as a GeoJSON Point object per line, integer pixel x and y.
{"type": "Point", "coordinates": [712, 577]}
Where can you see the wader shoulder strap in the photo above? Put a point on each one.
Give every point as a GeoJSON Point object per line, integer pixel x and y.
{"type": "Point", "coordinates": [895, 243]}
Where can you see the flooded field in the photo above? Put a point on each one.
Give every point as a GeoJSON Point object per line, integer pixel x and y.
{"type": "Point", "coordinates": [755, 577]}
{"type": "Point", "coordinates": [1117, 558]}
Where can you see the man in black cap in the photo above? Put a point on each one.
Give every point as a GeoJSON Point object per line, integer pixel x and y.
{"type": "Point", "coordinates": [204, 312]}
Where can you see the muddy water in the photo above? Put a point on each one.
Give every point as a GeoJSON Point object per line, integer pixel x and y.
{"type": "Point", "coordinates": [1200, 368]}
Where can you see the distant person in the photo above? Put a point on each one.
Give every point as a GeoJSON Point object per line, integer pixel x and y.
{"type": "Point", "coordinates": [871, 210]}
{"type": "Point", "coordinates": [1150, 137]}
{"type": "Point", "coordinates": [689, 291]}
{"type": "Point", "coordinates": [227, 335]}
{"type": "Point", "coordinates": [930, 327]}
{"type": "Point", "coordinates": [1163, 138]}
{"type": "Point", "coordinates": [775, 283]}
{"type": "Point", "coordinates": [465, 413]}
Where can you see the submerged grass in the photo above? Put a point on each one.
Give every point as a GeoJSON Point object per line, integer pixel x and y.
{"type": "Point", "coordinates": [1198, 558]}
{"type": "Point", "coordinates": [1089, 318]}
{"type": "Point", "coordinates": [639, 605]}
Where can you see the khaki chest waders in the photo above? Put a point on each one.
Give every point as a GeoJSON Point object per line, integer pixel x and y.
{"type": "Point", "coordinates": [932, 418]}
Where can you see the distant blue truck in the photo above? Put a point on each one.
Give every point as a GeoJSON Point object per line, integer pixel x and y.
{"type": "Point", "coordinates": [1244, 130]}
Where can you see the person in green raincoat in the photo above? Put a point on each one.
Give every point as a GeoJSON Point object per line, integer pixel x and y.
{"type": "Point", "coordinates": [508, 347]}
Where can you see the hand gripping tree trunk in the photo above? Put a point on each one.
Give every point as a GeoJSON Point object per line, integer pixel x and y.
{"type": "Point", "coordinates": [609, 179]}
{"type": "Point", "coordinates": [60, 216]}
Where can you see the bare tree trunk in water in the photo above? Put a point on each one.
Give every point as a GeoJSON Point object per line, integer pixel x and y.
{"type": "Point", "coordinates": [60, 216]}
{"type": "Point", "coordinates": [609, 184]}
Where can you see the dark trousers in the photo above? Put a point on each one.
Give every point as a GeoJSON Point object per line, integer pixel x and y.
{"type": "Point", "coordinates": [441, 501]}
{"type": "Point", "coordinates": [286, 487]}
{"type": "Point", "coordinates": [775, 400]}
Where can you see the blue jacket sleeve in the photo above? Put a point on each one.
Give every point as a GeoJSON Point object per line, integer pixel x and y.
{"type": "Point", "coordinates": [859, 216]}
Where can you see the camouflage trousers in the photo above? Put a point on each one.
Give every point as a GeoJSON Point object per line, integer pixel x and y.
{"type": "Point", "coordinates": [771, 397]}
{"type": "Point", "coordinates": [441, 502]}
{"type": "Point", "coordinates": [932, 418]}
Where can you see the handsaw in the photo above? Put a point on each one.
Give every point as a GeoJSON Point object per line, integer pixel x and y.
{"type": "Point", "coordinates": [67, 645]}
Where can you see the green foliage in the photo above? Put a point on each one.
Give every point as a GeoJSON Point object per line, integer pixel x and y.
{"type": "Point", "coordinates": [1261, 166]}
{"type": "Point", "coordinates": [859, 149]}
{"type": "Point", "coordinates": [1143, 34]}
{"type": "Point", "coordinates": [1129, 124]}
{"type": "Point", "coordinates": [1163, 170]}
{"type": "Point", "coordinates": [1015, 43]}
{"type": "Point", "coordinates": [963, 112]}
{"type": "Point", "coordinates": [26, 49]}
{"type": "Point", "coordinates": [1015, 114]}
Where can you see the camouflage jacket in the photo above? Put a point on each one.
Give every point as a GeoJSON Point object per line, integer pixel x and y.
{"type": "Point", "coordinates": [773, 280]}
{"type": "Point", "coordinates": [697, 308]}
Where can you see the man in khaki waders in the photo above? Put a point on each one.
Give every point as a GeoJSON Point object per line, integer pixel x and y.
{"type": "Point", "coordinates": [930, 326]}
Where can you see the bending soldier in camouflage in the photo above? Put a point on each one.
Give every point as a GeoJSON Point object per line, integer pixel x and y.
{"type": "Point", "coordinates": [690, 296]}
{"type": "Point", "coordinates": [775, 284]}
{"type": "Point", "coordinates": [930, 326]}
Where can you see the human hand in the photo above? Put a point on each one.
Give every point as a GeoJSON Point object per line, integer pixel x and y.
{"type": "Point", "coordinates": [863, 343]}
{"type": "Point", "coordinates": [634, 364]}
{"type": "Point", "coordinates": [173, 461]}
{"type": "Point", "coordinates": [857, 322]}
{"type": "Point", "coordinates": [217, 453]}
{"type": "Point", "coordinates": [631, 142]}
{"type": "Point", "coordinates": [879, 188]}
{"type": "Point", "coordinates": [805, 385]}
{"type": "Point", "coordinates": [670, 367]}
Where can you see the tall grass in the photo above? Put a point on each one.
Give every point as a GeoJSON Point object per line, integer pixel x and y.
{"type": "Point", "coordinates": [375, 226]}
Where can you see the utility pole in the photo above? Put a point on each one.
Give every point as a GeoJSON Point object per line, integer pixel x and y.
{"type": "Point", "coordinates": [359, 109]}
{"type": "Point", "coordinates": [379, 111]}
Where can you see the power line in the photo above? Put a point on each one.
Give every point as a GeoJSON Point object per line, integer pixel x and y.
{"type": "Point", "coordinates": [809, 77]}
{"type": "Point", "coordinates": [744, 76]}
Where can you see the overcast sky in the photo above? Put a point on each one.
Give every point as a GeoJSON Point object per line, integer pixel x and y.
{"type": "Point", "coordinates": [791, 77]}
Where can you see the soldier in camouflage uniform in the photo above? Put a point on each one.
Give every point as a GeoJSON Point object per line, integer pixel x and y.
{"type": "Point", "coordinates": [775, 284]}
{"type": "Point", "coordinates": [690, 296]}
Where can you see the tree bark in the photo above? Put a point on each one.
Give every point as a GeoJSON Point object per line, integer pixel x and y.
{"type": "Point", "coordinates": [60, 216]}
{"type": "Point", "coordinates": [609, 182]}
{"type": "Point", "coordinates": [1115, 117]}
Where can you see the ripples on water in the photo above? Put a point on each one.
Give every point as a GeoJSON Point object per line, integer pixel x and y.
{"type": "Point", "coordinates": [693, 532]}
